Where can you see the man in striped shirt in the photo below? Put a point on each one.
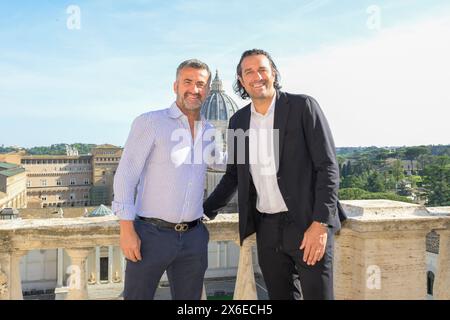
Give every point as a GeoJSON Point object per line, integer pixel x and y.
{"type": "Point", "coordinates": [158, 192]}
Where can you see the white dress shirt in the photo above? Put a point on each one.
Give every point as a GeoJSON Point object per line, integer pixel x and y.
{"type": "Point", "coordinates": [262, 161]}
{"type": "Point", "coordinates": [161, 173]}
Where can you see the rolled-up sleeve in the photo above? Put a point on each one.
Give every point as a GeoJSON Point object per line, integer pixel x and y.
{"type": "Point", "coordinates": [136, 151]}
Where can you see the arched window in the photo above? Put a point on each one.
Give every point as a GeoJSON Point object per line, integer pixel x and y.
{"type": "Point", "coordinates": [430, 282]}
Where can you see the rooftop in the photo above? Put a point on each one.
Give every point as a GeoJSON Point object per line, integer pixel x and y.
{"type": "Point", "coordinates": [12, 172]}
{"type": "Point", "coordinates": [106, 146]}
{"type": "Point", "coordinates": [6, 165]}
{"type": "Point", "coordinates": [101, 211]}
{"type": "Point", "coordinates": [39, 157]}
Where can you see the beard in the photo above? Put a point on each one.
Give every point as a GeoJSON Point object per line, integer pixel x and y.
{"type": "Point", "coordinates": [261, 92]}
{"type": "Point", "coordinates": [189, 104]}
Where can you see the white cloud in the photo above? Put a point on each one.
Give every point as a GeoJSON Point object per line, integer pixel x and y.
{"type": "Point", "coordinates": [393, 89]}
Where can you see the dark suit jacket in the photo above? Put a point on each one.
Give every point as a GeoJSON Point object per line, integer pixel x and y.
{"type": "Point", "coordinates": [308, 172]}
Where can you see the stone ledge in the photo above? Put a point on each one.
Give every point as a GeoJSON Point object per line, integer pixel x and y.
{"type": "Point", "coordinates": [364, 216]}
{"type": "Point", "coordinates": [441, 211]}
{"type": "Point", "coordinates": [389, 216]}
{"type": "Point", "coordinates": [383, 209]}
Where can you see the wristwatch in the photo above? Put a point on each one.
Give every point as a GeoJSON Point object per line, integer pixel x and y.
{"type": "Point", "coordinates": [324, 224]}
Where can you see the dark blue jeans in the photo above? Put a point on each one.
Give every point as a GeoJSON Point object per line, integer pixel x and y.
{"type": "Point", "coordinates": [184, 255]}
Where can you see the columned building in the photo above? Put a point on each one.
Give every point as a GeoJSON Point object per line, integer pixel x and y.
{"type": "Point", "coordinates": [58, 181]}
{"type": "Point", "coordinates": [12, 186]}
{"type": "Point", "coordinates": [71, 180]}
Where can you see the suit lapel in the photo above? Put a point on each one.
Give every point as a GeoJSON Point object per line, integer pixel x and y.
{"type": "Point", "coordinates": [279, 122]}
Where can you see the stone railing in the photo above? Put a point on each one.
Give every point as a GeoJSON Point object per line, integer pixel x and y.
{"type": "Point", "coordinates": [380, 251]}
{"type": "Point", "coordinates": [79, 237]}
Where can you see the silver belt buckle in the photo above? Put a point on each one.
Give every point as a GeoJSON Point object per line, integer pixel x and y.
{"type": "Point", "coordinates": [181, 227]}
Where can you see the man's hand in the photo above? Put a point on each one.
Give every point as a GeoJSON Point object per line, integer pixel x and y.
{"type": "Point", "coordinates": [314, 242]}
{"type": "Point", "coordinates": [129, 241]}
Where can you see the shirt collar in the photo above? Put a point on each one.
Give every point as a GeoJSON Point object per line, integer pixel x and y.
{"type": "Point", "coordinates": [175, 112]}
{"type": "Point", "coordinates": [269, 111]}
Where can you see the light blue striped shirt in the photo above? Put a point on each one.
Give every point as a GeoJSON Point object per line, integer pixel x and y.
{"type": "Point", "coordinates": [161, 173]}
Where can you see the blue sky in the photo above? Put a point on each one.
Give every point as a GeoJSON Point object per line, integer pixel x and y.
{"type": "Point", "coordinates": [61, 85]}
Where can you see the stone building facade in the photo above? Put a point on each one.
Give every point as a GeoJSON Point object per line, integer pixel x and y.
{"type": "Point", "coordinates": [58, 181]}
{"type": "Point", "coordinates": [12, 186]}
{"type": "Point", "coordinates": [71, 180]}
{"type": "Point", "coordinates": [105, 160]}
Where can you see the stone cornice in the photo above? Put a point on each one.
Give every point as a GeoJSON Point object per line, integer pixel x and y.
{"type": "Point", "coordinates": [31, 234]}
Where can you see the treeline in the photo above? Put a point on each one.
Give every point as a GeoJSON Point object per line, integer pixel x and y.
{"type": "Point", "coordinates": [435, 150]}
{"type": "Point", "coordinates": [412, 174]}
{"type": "Point", "coordinates": [4, 149]}
{"type": "Point", "coordinates": [54, 149]}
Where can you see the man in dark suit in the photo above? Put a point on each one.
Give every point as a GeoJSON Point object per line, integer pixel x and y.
{"type": "Point", "coordinates": [289, 195]}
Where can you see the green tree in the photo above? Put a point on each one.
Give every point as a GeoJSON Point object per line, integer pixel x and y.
{"type": "Point", "coordinates": [415, 181]}
{"type": "Point", "coordinates": [397, 171]}
{"type": "Point", "coordinates": [363, 166]}
{"type": "Point", "coordinates": [359, 194]}
{"type": "Point", "coordinates": [60, 149]}
{"type": "Point", "coordinates": [341, 163]}
{"type": "Point", "coordinates": [351, 193]}
{"type": "Point", "coordinates": [424, 160]}
{"type": "Point", "coordinates": [349, 168]}
{"type": "Point", "coordinates": [437, 180]}
{"type": "Point", "coordinates": [354, 181]}
{"type": "Point", "coordinates": [389, 181]}
{"type": "Point", "coordinates": [6, 149]}
{"type": "Point", "coordinates": [382, 154]}
{"type": "Point", "coordinates": [376, 182]}
{"type": "Point", "coordinates": [413, 153]}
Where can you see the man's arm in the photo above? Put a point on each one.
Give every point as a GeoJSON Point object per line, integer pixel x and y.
{"type": "Point", "coordinates": [226, 188]}
{"type": "Point", "coordinates": [135, 154]}
{"type": "Point", "coordinates": [217, 159]}
{"type": "Point", "coordinates": [321, 147]}
{"type": "Point", "coordinates": [323, 152]}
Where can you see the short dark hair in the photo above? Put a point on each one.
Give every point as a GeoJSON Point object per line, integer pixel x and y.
{"type": "Point", "coordinates": [237, 86]}
{"type": "Point", "coordinates": [196, 64]}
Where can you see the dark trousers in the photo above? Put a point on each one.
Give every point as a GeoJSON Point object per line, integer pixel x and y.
{"type": "Point", "coordinates": [286, 276]}
{"type": "Point", "coordinates": [184, 255]}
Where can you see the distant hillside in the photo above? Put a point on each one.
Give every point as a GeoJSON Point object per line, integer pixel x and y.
{"type": "Point", "coordinates": [54, 149]}
{"type": "Point", "coordinates": [394, 152]}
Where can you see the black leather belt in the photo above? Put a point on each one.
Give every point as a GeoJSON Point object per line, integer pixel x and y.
{"type": "Point", "coordinates": [180, 227]}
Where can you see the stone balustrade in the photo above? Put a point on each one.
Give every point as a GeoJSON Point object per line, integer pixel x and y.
{"type": "Point", "coordinates": [381, 251]}
{"type": "Point", "coordinates": [379, 254]}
